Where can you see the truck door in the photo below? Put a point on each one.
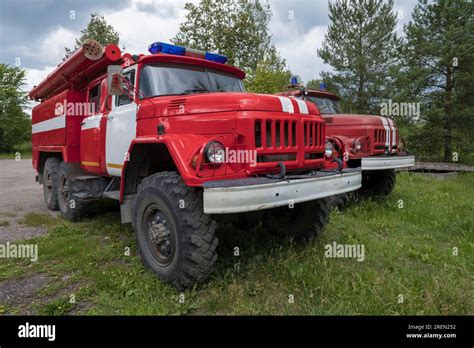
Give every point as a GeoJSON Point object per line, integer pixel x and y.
{"type": "Point", "coordinates": [90, 139]}
{"type": "Point", "coordinates": [121, 128]}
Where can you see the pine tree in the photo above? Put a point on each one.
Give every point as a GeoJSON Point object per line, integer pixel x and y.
{"type": "Point", "coordinates": [360, 45]}
{"type": "Point", "coordinates": [437, 68]}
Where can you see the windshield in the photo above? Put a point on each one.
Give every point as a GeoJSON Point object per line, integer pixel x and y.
{"type": "Point", "coordinates": [175, 79]}
{"type": "Point", "coordinates": [325, 105]}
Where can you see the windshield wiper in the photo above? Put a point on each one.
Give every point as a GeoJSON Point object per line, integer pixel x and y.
{"type": "Point", "coordinates": [194, 90]}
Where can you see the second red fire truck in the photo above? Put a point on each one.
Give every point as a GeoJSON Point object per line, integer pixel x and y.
{"type": "Point", "coordinates": [370, 142]}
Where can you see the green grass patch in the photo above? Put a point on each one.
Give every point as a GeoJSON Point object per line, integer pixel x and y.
{"type": "Point", "coordinates": [35, 220]}
{"type": "Point", "coordinates": [4, 223]}
{"type": "Point", "coordinates": [418, 244]}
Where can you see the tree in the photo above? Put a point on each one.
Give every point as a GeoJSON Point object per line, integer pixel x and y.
{"type": "Point", "coordinates": [437, 69]}
{"type": "Point", "coordinates": [236, 28]}
{"type": "Point", "coordinates": [97, 29]}
{"type": "Point", "coordinates": [15, 125]}
{"type": "Point", "coordinates": [268, 80]}
{"type": "Point", "coordinates": [361, 46]}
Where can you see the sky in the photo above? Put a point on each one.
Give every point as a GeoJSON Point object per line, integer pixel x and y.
{"type": "Point", "coordinates": [33, 33]}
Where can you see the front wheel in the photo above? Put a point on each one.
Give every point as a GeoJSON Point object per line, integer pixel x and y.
{"type": "Point", "coordinates": [303, 222]}
{"type": "Point", "coordinates": [175, 238]}
{"type": "Point", "coordinates": [378, 182]}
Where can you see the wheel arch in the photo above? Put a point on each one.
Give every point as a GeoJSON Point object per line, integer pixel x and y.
{"type": "Point", "coordinates": [146, 158]}
{"type": "Point", "coordinates": [42, 157]}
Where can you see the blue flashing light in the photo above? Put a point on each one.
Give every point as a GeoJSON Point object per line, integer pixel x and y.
{"type": "Point", "coordinates": [294, 81]}
{"type": "Point", "coordinates": [166, 48]}
{"type": "Point", "coordinates": [322, 86]}
{"type": "Point", "coordinates": [161, 47]}
{"type": "Point", "coordinates": [218, 58]}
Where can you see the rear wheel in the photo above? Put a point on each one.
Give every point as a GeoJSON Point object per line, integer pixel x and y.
{"type": "Point", "coordinates": [50, 182]}
{"type": "Point", "coordinates": [71, 208]}
{"type": "Point", "coordinates": [175, 238]}
{"type": "Point", "coordinates": [303, 222]}
{"type": "Point", "coordinates": [378, 182]}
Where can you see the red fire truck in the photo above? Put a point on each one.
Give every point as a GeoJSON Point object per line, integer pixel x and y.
{"type": "Point", "coordinates": [176, 140]}
{"type": "Point", "coordinates": [371, 142]}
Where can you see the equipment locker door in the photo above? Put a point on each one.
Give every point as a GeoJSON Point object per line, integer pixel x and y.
{"type": "Point", "coordinates": [121, 128]}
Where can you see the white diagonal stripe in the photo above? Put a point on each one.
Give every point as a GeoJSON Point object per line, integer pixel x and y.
{"type": "Point", "coordinates": [302, 105]}
{"type": "Point", "coordinates": [394, 132]}
{"type": "Point", "coordinates": [387, 131]}
{"type": "Point", "coordinates": [57, 122]}
{"type": "Point", "coordinates": [286, 105]}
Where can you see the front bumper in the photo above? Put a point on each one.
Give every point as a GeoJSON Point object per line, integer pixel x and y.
{"type": "Point", "coordinates": [381, 163]}
{"type": "Point", "coordinates": [251, 194]}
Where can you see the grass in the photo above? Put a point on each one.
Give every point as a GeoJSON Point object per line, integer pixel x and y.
{"type": "Point", "coordinates": [23, 149]}
{"type": "Point", "coordinates": [35, 220]}
{"type": "Point", "coordinates": [408, 252]}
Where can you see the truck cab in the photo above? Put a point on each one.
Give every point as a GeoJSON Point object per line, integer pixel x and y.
{"type": "Point", "coordinates": [371, 142]}
{"type": "Point", "coordinates": [177, 141]}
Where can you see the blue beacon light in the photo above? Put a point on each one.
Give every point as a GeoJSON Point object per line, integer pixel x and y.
{"type": "Point", "coordinates": [161, 47]}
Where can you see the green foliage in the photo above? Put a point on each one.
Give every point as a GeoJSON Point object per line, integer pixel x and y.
{"type": "Point", "coordinates": [268, 80]}
{"type": "Point", "coordinates": [438, 33]}
{"type": "Point", "coordinates": [15, 125]}
{"type": "Point", "coordinates": [238, 29]}
{"type": "Point", "coordinates": [360, 45]}
{"type": "Point", "coordinates": [408, 251]}
{"type": "Point", "coordinates": [97, 29]}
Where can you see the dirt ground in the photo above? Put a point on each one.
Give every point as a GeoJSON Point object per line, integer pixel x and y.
{"type": "Point", "coordinates": [19, 195]}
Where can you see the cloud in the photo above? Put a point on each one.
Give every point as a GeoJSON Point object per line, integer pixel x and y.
{"type": "Point", "coordinates": [139, 26]}
{"type": "Point", "coordinates": [39, 32]}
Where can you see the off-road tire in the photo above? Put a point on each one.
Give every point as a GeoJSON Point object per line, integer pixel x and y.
{"type": "Point", "coordinates": [308, 220]}
{"type": "Point", "coordinates": [50, 182]}
{"type": "Point", "coordinates": [340, 201]}
{"type": "Point", "coordinates": [71, 208]}
{"type": "Point", "coordinates": [248, 221]}
{"type": "Point", "coordinates": [191, 231]}
{"type": "Point", "coordinates": [378, 183]}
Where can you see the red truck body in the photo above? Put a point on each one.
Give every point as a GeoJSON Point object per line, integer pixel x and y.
{"type": "Point", "coordinates": [371, 142]}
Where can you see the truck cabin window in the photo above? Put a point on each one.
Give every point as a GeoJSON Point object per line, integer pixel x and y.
{"type": "Point", "coordinates": [94, 100]}
{"type": "Point", "coordinates": [124, 99]}
{"type": "Point", "coordinates": [325, 105]}
{"type": "Point", "coordinates": [179, 79]}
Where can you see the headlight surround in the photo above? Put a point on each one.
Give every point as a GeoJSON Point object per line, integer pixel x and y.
{"type": "Point", "coordinates": [329, 149]}
{"type": "Point", "coordinates": [214, 152]}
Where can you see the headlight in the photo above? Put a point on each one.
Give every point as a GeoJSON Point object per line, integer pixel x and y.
{"type": "Point", "coordinates": [215, 152]}
{"type": "Point", "coordinates": [329, 149]}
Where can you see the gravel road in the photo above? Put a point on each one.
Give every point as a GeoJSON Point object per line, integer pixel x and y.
{"type": "Point", "coordinates": [20, 194]}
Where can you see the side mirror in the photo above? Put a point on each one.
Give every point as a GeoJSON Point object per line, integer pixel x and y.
{"type": "Point", "coordinates": [115, 80]}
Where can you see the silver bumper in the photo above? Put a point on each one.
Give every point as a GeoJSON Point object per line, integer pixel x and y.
{"type": "Point", "coordinates": [380, 163]}
{"type": "Point", "coordinates": [261, 193]}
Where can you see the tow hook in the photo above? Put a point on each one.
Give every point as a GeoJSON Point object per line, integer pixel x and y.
{"type": "Point", "coordinates": [339, 164]}
{"type": "Point", "coordinates": [282, 173]}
